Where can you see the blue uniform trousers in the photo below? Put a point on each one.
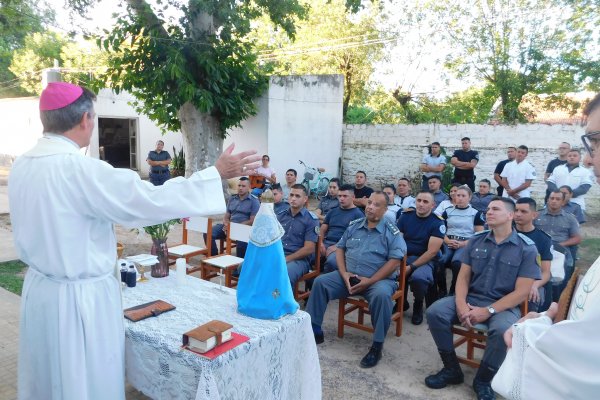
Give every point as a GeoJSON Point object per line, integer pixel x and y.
{"type": "Point", "coordinates": [157, 179]}
{"type": "Point", "coordinates": [442, 315]}
{"type": "Point", "coordinates": [330, 263]}
{"type": "Point", "coordinates": [331, 286]}
{"type": "Point", "coordinates": [219, 233]}
{"type": "Point", "coordinates": [297, 268]}
{"type": "Point", "coordinates": [420, 279]}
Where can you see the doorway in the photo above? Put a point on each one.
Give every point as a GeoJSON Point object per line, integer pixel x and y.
{"type": "Point", "coordinates": [117, 141]}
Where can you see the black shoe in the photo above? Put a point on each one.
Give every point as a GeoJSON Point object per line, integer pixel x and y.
{"type": "Point", "coordinates": [371, 359]}
{"type": "Point", "coordinates": [451, 374]}
{"type": "Point", "coordinates": [483, 390]}
{"type": "Point", "coordinates": [417, 317]}
{"type": "Point", "coordinates": [406, 306]}
{"type": "Point", "coordinates": [319, 338]}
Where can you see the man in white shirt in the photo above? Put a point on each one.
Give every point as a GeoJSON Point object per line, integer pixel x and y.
{"type": "Point", "coordinates": [63, 206]}
{"type": "Point", "coordinates": [517, 176]}
{"type": "Point", "coordinates": [578, 178]}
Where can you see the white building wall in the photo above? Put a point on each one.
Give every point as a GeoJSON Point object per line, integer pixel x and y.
{"type": "Point", "coordinates": [387, 152]}
{"type": "Point", "coordinates": [21, 126]}
{"type": "Point", "coordinates": [253, 132]}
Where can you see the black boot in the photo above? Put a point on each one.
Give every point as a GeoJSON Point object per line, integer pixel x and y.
{"type": "Point", "coordinates": [482, 384]}
{"type": "Point", "coordinates": [451, 374]}
{"type": "Point", "coordinates": [372, 357]}
{"type": "Point", "coordinates": [419, 293]}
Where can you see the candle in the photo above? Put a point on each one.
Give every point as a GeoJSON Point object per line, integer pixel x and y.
{"type": "Point", "coordinates": [181, 271]}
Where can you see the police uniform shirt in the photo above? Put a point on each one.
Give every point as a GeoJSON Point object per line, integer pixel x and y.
{"type": "Point", "coordinates": [405, 202]}
{"type": "Point", "coordinates": [328, 203]}
{"type": "Point", "coordinates": [481, 203]}
{"type": "Point", "coordinates": [432, 161]}
{"type": "Point", "coordinates": [242, 210]}
{"type": "Point", "coordinates": [280, 207]}
{"type": "Point", "coordinates": [496, 267]}
{"type": "Point", "coordinates": [461, 222]}
{"type": "Point", "coordinates": [560, 227]}
{"type": "Point", "coordinates": [465, 156]}
{"type": "Point", "coordinates": [299, 228]}
{"type": "Point", "coordinates": [440, 196]}
{"type": "Point", "coordinates": [417, 231]}
{"type": "Point", "coordinates": [367, 250]}
{"type": "Point", "coordinates": [575, 210]}
{"type": "Point", "coordinates": [516, 174]}
{"type": "Point", "coordinates": [338, 220]}
{"type": "Point", "coordinates": [542, 241]}
{"type": "Point", "coordinates": [162, 156]}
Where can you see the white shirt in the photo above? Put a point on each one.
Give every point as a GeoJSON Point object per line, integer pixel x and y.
{"type": "Point", "coordinates": [516, 174]}
{"type": "Point", "coordinates": [268, 172]}
{"type": "Point", "coordinates": [577, 177]}
{"type": "Point", "coordinates": [63, 206]}
{"type": "Point", "coordinates": [405, 202]}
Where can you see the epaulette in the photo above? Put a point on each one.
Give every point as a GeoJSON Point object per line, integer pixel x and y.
{"type": "Point", "coordinates": [313, 215]}
{"type": "Point", "coordinates": [356, 220]}
{"type": "Point", "coordinates": [526, 239]}
{"type": "Point", "coordinates": [481, 232]}
{"type": "Point", "coordinates": [392, 227]}
{"type": "Point", "coordinates": [408, 210]}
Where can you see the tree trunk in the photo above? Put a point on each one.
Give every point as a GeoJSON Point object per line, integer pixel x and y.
{"type": "Point", "coordinates": [202, 142]}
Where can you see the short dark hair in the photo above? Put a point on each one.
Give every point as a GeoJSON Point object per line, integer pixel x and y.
{"type": "Point", "coordinates": [557, 191]}
{"type": "Point", "coordinates": [436, 143]}
{"type": "Point", "coordinates": [508, 203]}
{"type": "Point", "coordinates": [466, 138]}
{"type": "Point", "coordinates": [485, 180]}
{"type": "Point", "coordinates": [361, 172]}
{"type": "Point", "coordinates": [277, 186]}
{"type": "Point", "coordinates": [66, 118]}
{"type": "Point", "coordinates": [389, 186]}
{"type": "Point", "coordinates": [160, 141]}
{"type": "Point", "coordinates": [347, 187]}
{"type": "Point", "coordinates": [301, 187]}
{"type": "Point", "coordinates": [404, 179]}
{"type": "Point", "coordinates": [267, 157]}
{"type": "Point", "coordinates": [244, 178]}
{"type": "Point", "coordinates": [592, 105]}
{"type": "Point", "coordinates": [434, 177]}
{"type": "Point", "coordinates": [523, 147]}
{"type": "Point", "coordinates": [528, 200]}
{"type": "Point", "coordinates": [387, 198]}
{"type": "Point", "coordinates": [335, 180]}
{"type": "Point", "coordinates": [426, 192]}
{"type": "Point", "coordinates": [455, 184]}
{"type": "Point", "coordinates": [293, 171]}
{"type": "Point", "coordinates": [566, 187]}
{"type": "Point", "coordinates": [575, 150]}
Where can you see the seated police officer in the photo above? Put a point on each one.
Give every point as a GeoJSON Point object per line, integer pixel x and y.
{"type": "Point", "coordinates": [330, 200]}
{"type": "Point", "coordinates": [424, 234]}
{"type": "Point", "coordinates": [301, 233]}
{"type": "Point", "coordinates": [368, 257]}
{"type": "Point", "coordinates": [279, 204]}
{"type": "Point", "coordinates": [335, 225]}
{"type": "Point", "coordinates": [498, 270]}
{"type": "Point", "coordinates": [242, 209]}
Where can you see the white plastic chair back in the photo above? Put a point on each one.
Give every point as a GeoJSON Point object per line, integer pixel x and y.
{"type": "Point", "coordinates": [197, 224]}
{"type": "Point", "coordinates": [239, 232]}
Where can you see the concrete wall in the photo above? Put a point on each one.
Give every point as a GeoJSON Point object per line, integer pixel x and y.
{"type": "Point", "coordinates": [300, 118]}
{"type": "Point", "coordinates": [387, 152]}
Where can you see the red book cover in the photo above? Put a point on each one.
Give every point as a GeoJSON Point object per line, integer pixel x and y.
{"type": "Point", "coordinates": [236, 340]}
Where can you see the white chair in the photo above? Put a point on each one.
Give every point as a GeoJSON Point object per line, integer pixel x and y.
{"type": "Point", "coordinates": [186, 250]}
{"type": "Point", "coordinates": [226, 263]}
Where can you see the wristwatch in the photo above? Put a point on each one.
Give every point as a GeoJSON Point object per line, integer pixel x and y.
{"type": "Point", "coordinates": [491, 310]}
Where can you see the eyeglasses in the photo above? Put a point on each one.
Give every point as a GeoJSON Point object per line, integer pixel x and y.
{"type": "Point", "coordinates": [590, 141]}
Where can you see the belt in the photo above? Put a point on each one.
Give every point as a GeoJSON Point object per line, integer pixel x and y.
{"type": "Point", "coordinates": [159, 172]}
{"type": "Point", "coordinates": [454, 237]}
{"type": "Point", "coordinates": [70, 281]}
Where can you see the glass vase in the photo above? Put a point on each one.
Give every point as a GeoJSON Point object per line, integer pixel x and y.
{"type": "Point", "coordinates": [160, 249]}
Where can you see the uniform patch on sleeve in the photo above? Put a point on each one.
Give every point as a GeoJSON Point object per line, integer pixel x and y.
{"type": "Point", "coordinates": [392, 228]}
{"type": "Point", "coordinates": [356, 220]}
{"type": "Point", "coordinates": [443, 229]}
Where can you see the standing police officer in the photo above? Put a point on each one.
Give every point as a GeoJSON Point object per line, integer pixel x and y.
{"type": "Point", "coordinates": [301, 233]}
{"type": "Point", "coordinates": [368, 257]}
{"type": "Point", "coordinates": [497, 273]}
{"type": "Point", "coordinates": [159, 161]}
{"type": "Point", "coordinates": [424, 234]}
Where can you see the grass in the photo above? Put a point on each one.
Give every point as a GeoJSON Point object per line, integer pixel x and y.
{"type": "Point", "coordinates": [589, 250]}
{"type": "Point", "coordinates": [11, 276]}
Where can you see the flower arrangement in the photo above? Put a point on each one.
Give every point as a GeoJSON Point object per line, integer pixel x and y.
{"type": "Point", "coordinates": [160, 231]}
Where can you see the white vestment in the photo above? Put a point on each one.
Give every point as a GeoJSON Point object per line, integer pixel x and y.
{"type": "Point", "coordinates": [557, 361]}
{"type": "Point", "coordinates": [63, 206]}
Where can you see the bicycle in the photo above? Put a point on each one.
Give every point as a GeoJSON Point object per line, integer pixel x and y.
{"type": "Point", "coordinates": [315, 181]}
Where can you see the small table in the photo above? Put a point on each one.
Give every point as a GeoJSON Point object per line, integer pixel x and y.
{"type": "Point", "coordinates": [280, 360]}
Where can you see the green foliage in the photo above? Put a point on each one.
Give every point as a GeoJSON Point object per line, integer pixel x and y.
{"type": "Point", "coordinates": [39, 51]}
{"type": "Point", "coordinates": [205, 59]}
{"type": "Point", "coordinates": [360, 115]}
{"type": "Point", "coordinates": [160, 231]}
{"type": "Point", "coordinates": [178, 161]}
{"type": "Point", "coordinates": [18, 18]}
{"type": "Point", "coordinates": [11, 276]}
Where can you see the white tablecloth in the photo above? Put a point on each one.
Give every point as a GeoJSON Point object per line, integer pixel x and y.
{"type": "Point", "coordinates": [279, 361]}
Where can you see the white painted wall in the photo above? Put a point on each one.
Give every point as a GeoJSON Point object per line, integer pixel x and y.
{"type": "Point", "coordinates": [21, 126]}
{"type": "Point", "coordinates": [387, 152]}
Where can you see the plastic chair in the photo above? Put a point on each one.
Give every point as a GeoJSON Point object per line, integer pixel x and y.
{"type": "Point", "coordinates": [186, 250]}
{"type": "Point", "coordinates": [352, 303]}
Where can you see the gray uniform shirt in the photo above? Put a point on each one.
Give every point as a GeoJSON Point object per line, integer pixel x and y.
{"type": "Point", "coordinates": [367, 250]}
{"type": "Point", "coordinates": [242, 210]}
{"type": "Point", "coordinates": [299, 228]}
{"type": "Point", "coordinates": [495, 267]}
{"type": "Point", "coordinates": [560, 227]}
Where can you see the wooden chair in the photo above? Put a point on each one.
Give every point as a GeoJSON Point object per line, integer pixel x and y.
{"type": "Point", "coordinates": [300, 294]}
{"type": "Point", "coordinates": [226, 263]}
{"type": "Point", "coordinates": [474, 338]}
{"type": "Point", "coordinates": [187, 251]}
{"type": "Point", "coordinates": [352, 303]}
